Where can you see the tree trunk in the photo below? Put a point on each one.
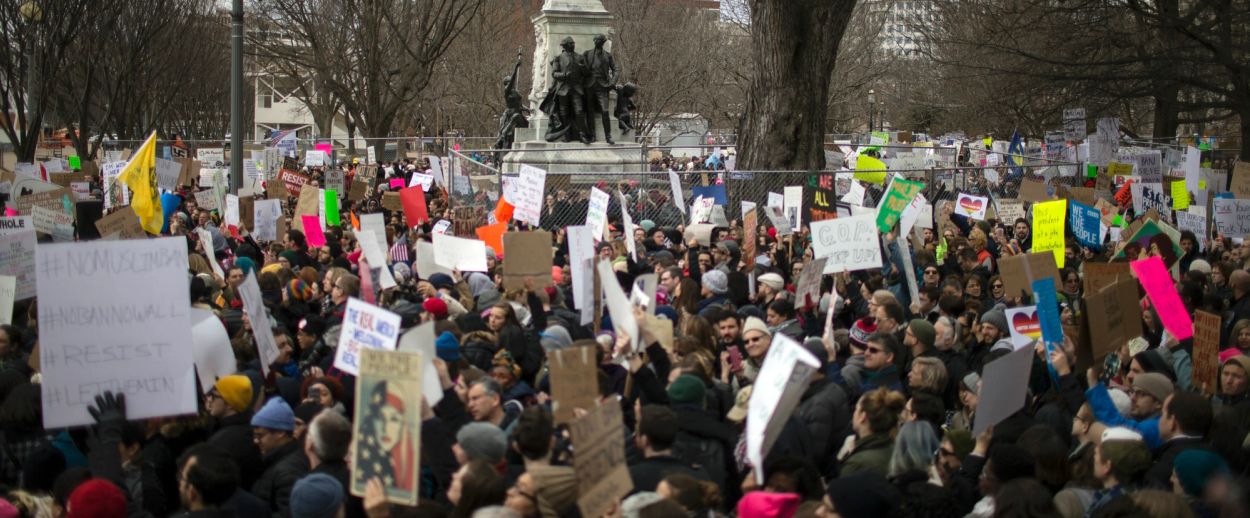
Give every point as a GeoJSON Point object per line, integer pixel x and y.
{"type": "Point", "coordinates": [1167, 112]}
{"type": "Point", "coordinates": [794, 45]}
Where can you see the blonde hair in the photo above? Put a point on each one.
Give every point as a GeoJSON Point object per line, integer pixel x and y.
{"type": "Point", "coordinates": [932, 376]}
{"type": "Point", "coordinates": [1161, 504]}
{"type": "Point", "coordinates": [199, 264]}
{"type": "Point", "coordinates": [977, 239]}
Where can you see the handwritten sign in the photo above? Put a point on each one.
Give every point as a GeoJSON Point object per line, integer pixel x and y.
{"type": "Point", "coordinates": [1074, 124]}
{"type": "Point", "coordinates": [896, 201]}
{"type": "Point", "coordinates": [114, 316]}
{"type": "Point", "coordinates": [779, 386]}
{"type": "Point", "coordinates": [469, 255]}
{"type": "Point", "coordinates": [849, 243]}
{"type": "Point", "coordinates": [1154, 278]}
{"type": "Point", "coordinates": [597, 213]}
{"type": "Point", "coordinates": [1232, 217]}
{"type": "Point", "coordinates": [1048, 225]}
{"type": "Point", "coordinates": [602, 474]}
{"type": "Point", "coordinates": [574, 381]}
{"type": "Point", "coordinates": [124, 221]}
{"type": "Point", "coordinates": [365, 326]}
{"type": "Point", "coordinates": [1098, 276]}
{"type": "Point", "coordinates": [17, 254]}
{"type": "Point", "coordinates": [528, 194]}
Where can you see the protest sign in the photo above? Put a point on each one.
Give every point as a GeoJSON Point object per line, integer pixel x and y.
{"type": "Point", "coordinates": [124, 221]}
{"type": "Point", "coordinates": [896, 200]}
{"type": "Point", "coordinates": [820, 203]}
{"type": "Point", "coordinates": [1074, 124]}
{"type": "Point", "coordinates": [678, 198]}
{"type": "Point", "coordinates": [1150, 166]}
{"type": "Point", "coordinates": [114, 316]}
{"type": "Point", "coordinates": [59, 200]}
{"type": "Point", "coordinates": [1098, 276]}
{"type": "Point", "coordinates": [1232, 217]}
{"type": "Point", "coordinates": [528, 194]}
{"type": "Point", "coordinates": [1154, 278]}
{"type": "Point", "coordinates": [492, 236]}
{"type": "Point", "coordinates": [793, 204]}
{"type": "Point", "coordinates": [365, 326]}
{"type": "Point", "coordinates": [1193, 223]}
{"type": "Point", "coordinates": [581, 259]}
{"type": "Point", "coordinates": [207, 200]}
{"type": "Point", "coordinates": [167, 172]}
{"type": "Point", "coordinates": [212, 158]}
{"type": "Point", "coordinates": [1024, 325]}
{"type": "Point", "coordinates": [254, 307]}
{"type": "Point", "coordinates": [1004, 388]}
{"type": "Point", "coordinates": [293, 181]}
{"type": "Point", "coordinates": [425, 264]}
{"type": "Point", "coordinates": [597, 213]}
{"type": "Point", "coordinates": [574, 381]}
{"type": "Point", "coordinates": [779, 386]}
{"type": "Point", "coordinates": [8, 294]}
{"type": "Point", "coordinates": [809, 283]}
{"type": "Point", "coordinates": [717, 194]}
{"type": "Point", "coordinates": [621, 311]}
{"type": "Point", "coordinates": [1048, 311]}
{"type": "Point", "coordinates": [855, 195]}
{"type": "Point", "coordinates": [850, 243]}
{"type": "Point", "coordinates": [629, 227]}
{"type": "Point", "coordinates": [1019, 271]}
{"type": "Point", "coordinates": [391, 201]}
{"type": "Point", "coordinates": [602, 474]}
{"type": "Point", "coordinates": [17, 253]}
{"type": "Point", "coordinates": [386, 428]}
{"type": "Point", "coordinates": [1048, 225]}
{"type": "Point", "coordinates": [529, 255]}
{"type": "Point", "coordinates": [266, 214]}
{"type": "Point", "coordinates": [1155, 198]}
{"type": "Point", "coordinates": [971, 206]}
{"type": "Point", "coordinates": [778, 220]}
{"type": "Point", "coordinates": [914, 214]}
{"type": "Point", "coordinates": [469, 255]}
{"type": "Point", "coordinates": [870, 169]}
{"type": "Point", "coordinates": [82, 190]}
{"type": "Point", "coordinates": [1010, 210]}
{"type": "Point", "coordinates": [312, 231]}
{"type": "Point", "coordinates": [776, 200]}
{"type": "Point", "coordinates": [309, 204]}
{"type": "Point", "coordinates": [421, 179]}
{"type": "Point", "coordinates": [1206, 355]}
{"type": "Point", "coordinates": [1086, 225]}
{"type": "Point", "coordinates": [247, 215]}
{"type": "Point", "coordinates": [213, 354]}
{"type": "Point", "coordinates": [46, 220]}
{"type": "Point", "coordinates": [1034, 192]}
{"type": "Point", "coordinates": [467, 220]}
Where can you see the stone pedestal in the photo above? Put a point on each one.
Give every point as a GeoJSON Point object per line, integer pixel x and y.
{"type": "Point", "coordinates": [582, 20]}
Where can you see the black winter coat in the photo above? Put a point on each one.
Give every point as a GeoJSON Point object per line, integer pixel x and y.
{"type": "Point", "coordinates": [234, 435]}
{"type": "Point", "coordinates": [826, 411]}
{"type": "Point", "coordinates": [282, 468]}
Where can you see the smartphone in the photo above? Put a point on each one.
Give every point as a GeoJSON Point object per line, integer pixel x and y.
{"type": "Point", "coordinates": [315, 393]}
{"type": "Point", "coordinates": [735, 359]}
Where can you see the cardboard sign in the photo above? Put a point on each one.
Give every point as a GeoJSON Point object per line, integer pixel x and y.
{"type": "Point", "coordinates": [1004, 385]}
{"type": "Point", "coordinates": [466, 220]}
{"type": "Point", "coordinates": [391, 201]}
{"type": "Point", "coordinates": [385, 425]}
{"type": "Point", "coordinates": [59, 200]}
{"type": "Point", "coordinates": [809, 283]}
{"type": "Point", "coordinates": [529, 255]}
{"type": "Point", "coordinates": [1097, 276]}
{"type": "Point", "coordinates": [124, 221]}
{"type": "Point", "coordinates": [602, 474]}
{"type": "Point", "coordinates": [309, 204]}
{"type": "Point", "coordinates": [1019, 271]}
{"type": "Point", "coordinates": [1034, 192]}
{"type": "Point", "coordinates": [276, 190]}
{"type": "Point", "coordinates": [365, 326]}
{"type": "Point", "coordinates": [137, 339]}
{"type": "Point", "coordinates": [779, 386]}
{"type": "Point", "coordinates": [1206, 359]}
{"type": "Point", "coordinates": [1114, 317]}
{"type": "Point", "coordinates": [1240, 186]}
{"type": "Point", "coordinates": [1010, 210]}
{"type": "Point", "coordinates": [359, 189]}
{"type": "Point", "coordinates": [849, 243]}
{"type": "Point", "coordinates": [574, 376]}
{"type": "Point", "coordinates": [247, 216]}
{"type": "Point", "coordinates": [1157, 282]}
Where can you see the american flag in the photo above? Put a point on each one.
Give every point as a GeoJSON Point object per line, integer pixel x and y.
{"type": "Point", "coordinates": [278, 136]}
{"type": "Point", "coordinates": [399, 251]}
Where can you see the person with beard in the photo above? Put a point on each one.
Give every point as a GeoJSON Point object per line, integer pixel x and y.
{"type": "Point", "coordinates": [993, 328]}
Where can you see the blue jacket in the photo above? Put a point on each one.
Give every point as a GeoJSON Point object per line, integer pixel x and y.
{"type": "Point", "coordinates": [1104, 409]}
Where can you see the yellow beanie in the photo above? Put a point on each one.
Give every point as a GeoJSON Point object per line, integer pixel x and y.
{"type": "Point", "coordinates": [237, 391]}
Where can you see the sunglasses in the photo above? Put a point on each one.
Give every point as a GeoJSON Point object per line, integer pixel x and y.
{"type": "Point", "coordinates": [874, 350]}
{"type": "Point", "coordinates": [998, 286]}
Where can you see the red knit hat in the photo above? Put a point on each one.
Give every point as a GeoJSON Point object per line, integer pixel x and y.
{"type": "Point", "coordinates": [96, 498]}
{"type": "Point", "coordinates": [435, 306]}
{"type": "Point", "coordinates": [862, 329]}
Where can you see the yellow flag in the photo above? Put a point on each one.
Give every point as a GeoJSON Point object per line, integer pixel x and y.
{"type": "Point", "coordinates": [867, 163]}
{"type": "Point", "coordinates": [140, 176]}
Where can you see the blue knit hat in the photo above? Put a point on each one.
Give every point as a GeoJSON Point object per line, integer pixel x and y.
{"type": "Point", "coordinates": [442, 280]}
{"type": "Point", "coordinates": [316, 496]}
{"type": "Point", "coordinates": [275, 415]}
{"type": "Point", "coordinates": [446, 347]}
{"type": "Point", "coordinates": [1195, 467]}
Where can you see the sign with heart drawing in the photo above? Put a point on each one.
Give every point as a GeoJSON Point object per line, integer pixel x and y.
{"type": "Point", "coordinates": [972, 206]}
{"type": "Point", "coordinates": [1025, 325]}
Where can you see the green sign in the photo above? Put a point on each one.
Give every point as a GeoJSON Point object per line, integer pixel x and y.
{"type": "Point", "coordinates": [896, 200]}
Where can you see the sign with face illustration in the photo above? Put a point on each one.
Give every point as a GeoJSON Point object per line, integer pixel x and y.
{"type": "Point", "coordinates": [387, 425]}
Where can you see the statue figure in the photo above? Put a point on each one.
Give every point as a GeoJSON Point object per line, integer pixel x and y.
{"type": "Point", "coordinates": [538, 75]}
{"type": "Point", "coordinates": [602, 79]}
{"type": "Point", "coordinates": [566, 97]}
{"type": "Point", "coordinates": [514, 116]}
{"type": "Point", "coordinates": [624, 104]}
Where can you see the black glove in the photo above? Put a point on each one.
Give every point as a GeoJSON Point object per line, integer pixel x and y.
{"type": "Point", "coordinates": [109, 412]}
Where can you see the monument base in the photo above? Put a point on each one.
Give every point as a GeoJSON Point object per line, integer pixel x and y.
{"type": "Point", "coordinates": [584, 163]}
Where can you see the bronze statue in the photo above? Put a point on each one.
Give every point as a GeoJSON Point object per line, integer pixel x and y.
{"type": "Point", "coordinates": [624, 104]}
{"type": "Point", "coordinates": [566, 97]}
{"type": "Point", "coordinates": [514, 115]}
{"type": "Point", "coordinates": [602, 79]}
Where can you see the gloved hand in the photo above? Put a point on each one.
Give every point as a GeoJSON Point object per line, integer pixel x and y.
{"type": "Point", "coordinates": [109, 412]}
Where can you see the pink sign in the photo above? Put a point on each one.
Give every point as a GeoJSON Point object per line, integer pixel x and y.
{"type": "Point", "coordinates": [397, 183]}
{"type": "Point", "coordinates": [1154, 277]}
{"type": "Point", "coordinates": [323, 147]}
{"type": "Point", "coordinates": [312, 231]}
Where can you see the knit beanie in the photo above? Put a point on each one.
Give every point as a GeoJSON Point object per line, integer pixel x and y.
{"type": "Point", "coordinates": [312, 325]}
{"type": "Point", "coordinates": [96, 498]}
{"type": "Point", "coordinates": [962, 441]}
{"type": "Point", "coordinates": [862, 329]}
{"type": "Point", "coordinates": [555, 489]}
{"type": "Point", "coordinates": [435, 306]}
{"type": "Point", "coordinates": [1195, 467]}
{"type": "Point", "coordinates": [275, 415]}
{"type": "Point", "coordinates": [490, 253]}
{"type": "Point", "coordinates": [1201, 266]}
{"type": "Point", "coordinates": [1126, 450]}
{"type": "Point", "coordinates": [482, 441]}
{"type": "Point", "coordinates": [971, 380]}
{"type": "Point", "coordinates": [686, 390]}
{"type": "Point", "coordinates": [556, 338]}
{"type": "Point", "coordinates": [754, 324]}
{"type": "Point", "coordinates": [236, 390]}
{"type": "Point", "coordinates": [446, 347]}
{"type": "Point", "coordinates": [442, 280]}
{"type": "Point", "coordinates": [316, 496]}
{"type": "Point", "coordinates": [298, 290]}
{"type": "Point", "coordinates": [716, 282]}
{"type": "Point", "coordinates": [1155, 384]}
{"type": "Point", "coordinates": [863, 495]}
{"type": "Point", "coordinates": [997, 317]}
{"type": "Point", "coordinates": [766, 504]}
{"type": "Point", "coordinates": [773, 281]}
{"type": "Point", "coordinates": [402, 271]}
{"type": "Point", "coordinates": [291, 257]}
{"type": "Point", "coordinates": [924, 331]}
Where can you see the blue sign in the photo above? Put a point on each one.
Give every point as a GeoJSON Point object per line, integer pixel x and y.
{"type": "Point", "coordinates": [716, 192]}
{"type": "Point", "coordinates": [1048, 310]}
{"type": "Point", "coordinates": [1086, 224]}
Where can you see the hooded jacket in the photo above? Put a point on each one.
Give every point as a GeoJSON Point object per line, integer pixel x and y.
{"type": "Point", "coordinates": [825, 410]}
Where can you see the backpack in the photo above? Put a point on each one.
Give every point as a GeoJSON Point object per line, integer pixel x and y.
{"type": "Point", "coordinates": [704, 454]}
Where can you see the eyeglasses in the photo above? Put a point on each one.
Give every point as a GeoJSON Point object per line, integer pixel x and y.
{"type": "Point", "coordinates": [756, 339]}
{"type": "Point", "coordinates": [931, 272]}
{"type": "Point", "coordinates": [998, 286]}
{"type": "Point", "coordinates": [874, 350]}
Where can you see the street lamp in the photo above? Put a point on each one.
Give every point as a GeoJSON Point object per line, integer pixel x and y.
{"type": "Point", "coordinates": [881, 115]}
{"type": "Point", "coordinates": [872, 105]}
{"type": "Point", "coordinates": [32, 13]}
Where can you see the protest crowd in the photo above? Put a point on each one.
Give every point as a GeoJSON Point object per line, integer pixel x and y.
{"type": "Point", "coordinates": [573, 359]}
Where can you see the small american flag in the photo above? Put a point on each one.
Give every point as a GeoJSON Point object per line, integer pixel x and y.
{"type": "Point", "coordinates": [399, 251]}
{"type": "Point", "coordinates": [278, 136]}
